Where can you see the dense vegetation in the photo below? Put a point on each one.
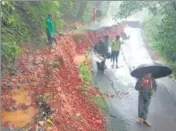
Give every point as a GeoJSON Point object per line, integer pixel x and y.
{"type": "Point", "coordinates": [24, 22]}
{"type": "Point", "coordinates": [160, 28]}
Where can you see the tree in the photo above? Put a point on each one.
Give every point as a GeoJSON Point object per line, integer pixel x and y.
{"type": "Point", "coordinates": [25, 21]}
{"type": "Point", "coordinates": [82, 9]}
{"type": "Point", "coordinates": [128, 8]}
{"type": "Point", "coordinates": [162, 31]}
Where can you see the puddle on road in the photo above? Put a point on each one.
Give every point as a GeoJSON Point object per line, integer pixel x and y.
{"type": "Point", "coordinates": [19, 118]}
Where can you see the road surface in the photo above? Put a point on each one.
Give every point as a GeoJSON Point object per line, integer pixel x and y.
{"type": "Point", "coordinates": [123, 109]}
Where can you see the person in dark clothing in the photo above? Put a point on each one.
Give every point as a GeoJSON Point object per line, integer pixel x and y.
{"type": "Point", "coordinates": [102, 50]}
{"type": "Point", "coordinates": [146, 87]}
{"type": "Point", "coordinates": [107, 44]}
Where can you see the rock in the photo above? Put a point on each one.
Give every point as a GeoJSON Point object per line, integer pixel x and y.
{"type": "Point", "coordinates": [19, 86]}
{"type": "Point", "coordinates": [98, 121]}
{"type": "Point", "coordinates": [41, 123]}
{"type": "Point", "coordinates": [40, 129]}
{"type": "Point", "coordinates": [9, 109]}
{"type": "Point", "coordinates": [77, 115]}
{"type": "Point", "coordinates": [24, 106]}
{"type": "Point", "coordinates": [15, 107]}
{"type": "Point", "coordinates": [9, 85]}
{"type": "Point", "coordinates": [29, 129]}
{"type": "Point", "coordinates": [49, 129]}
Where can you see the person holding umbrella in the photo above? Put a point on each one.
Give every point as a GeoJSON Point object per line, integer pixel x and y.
{"type": "Point", "coordinates": [146, 86]}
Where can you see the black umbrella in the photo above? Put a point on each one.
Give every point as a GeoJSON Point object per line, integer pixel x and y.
{"type": "Point", "coordinates": [157, 70]}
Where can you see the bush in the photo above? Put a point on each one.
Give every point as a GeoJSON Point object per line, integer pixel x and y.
{"type": "Point", "coordinates": [85, 73]}
{"type": "Point", "coordinates": [161, 32]}
{"type": "Point", "coordinates": [26, 21]}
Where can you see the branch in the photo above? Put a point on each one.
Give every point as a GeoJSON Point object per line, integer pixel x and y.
{"type": "Point", "coordinates": [174, 5]}
{"type": "Point", "coordinates": [149, 20]}
{"type": "Point", "coordinates": [22, 9]}
{"type": "Point", "coordinates": [153, 16]}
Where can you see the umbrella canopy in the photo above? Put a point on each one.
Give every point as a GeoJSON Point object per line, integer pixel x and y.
{"type": "Point", "coordinates": [157, 70]}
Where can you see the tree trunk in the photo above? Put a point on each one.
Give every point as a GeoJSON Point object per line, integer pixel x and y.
{"type": "Point", "coordinates": [174, 5]}
{"type": "Point", "coordinates": [82, 9]}
{"type": "Point", "coordinates": [98, 4]}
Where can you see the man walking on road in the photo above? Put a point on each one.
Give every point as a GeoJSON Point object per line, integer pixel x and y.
{"type": "Point", "coordinates": [102, 50]}
{"type": "Point", "coordinates": [146, 87]}
{"type": "Point", "coordinates": [115, 47]}
{"type": "Point", "coordinates": [50, 31]}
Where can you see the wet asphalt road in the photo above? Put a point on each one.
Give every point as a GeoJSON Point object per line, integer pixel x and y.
{"type": "Point", "coordinates": [123, 109]}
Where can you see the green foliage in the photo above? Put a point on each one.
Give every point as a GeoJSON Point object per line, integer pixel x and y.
{"type": "Point", "coordinates": [35, 15]}
{"type": "Point", "coordinates": [101, 103]}
{"type": "Point", "coordinates": [66, 7]}
{"type": "Point", "coordinates": [85, 72]}
{"type": "Point", "coordinates": [165, 40]}
{"type": "Point", "coordinates": [161, 29]}
{"type": "Point", "coordinates": [87, 17]}
{"type": "Point", "coordinates": [39, 13]}
{"type": "Point", "coordinates": [74, 9]}
{"type": "Point", "coordinates": [13, 28]}
{"type": "Point", "coordinates": [86, 76]}
{"type": "Point", "coordinates": [173, 66]}
{"type": "Point", "coordinates": [13, 31]}
{"type": "Point", "coordinates": [128, 8]}
{"type": "Point", "coordinates": [10, 51]}
{"type": "Point", "coordinates": [26, 21]}
{"type": "Point", "coordinates": [159, 34]}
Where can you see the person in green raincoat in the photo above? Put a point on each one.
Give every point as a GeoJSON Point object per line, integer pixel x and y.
{"type": "Point", "coordinates": [50, 30]}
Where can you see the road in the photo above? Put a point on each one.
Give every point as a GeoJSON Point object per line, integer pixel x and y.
{"type": "Point", "coordinates": [123, 109]}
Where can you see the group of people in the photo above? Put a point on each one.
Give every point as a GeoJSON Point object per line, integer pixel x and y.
{"type": "Point", "coordinates": [102, 48]}
{"type": "Point", "coordinates": [146, 86]}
